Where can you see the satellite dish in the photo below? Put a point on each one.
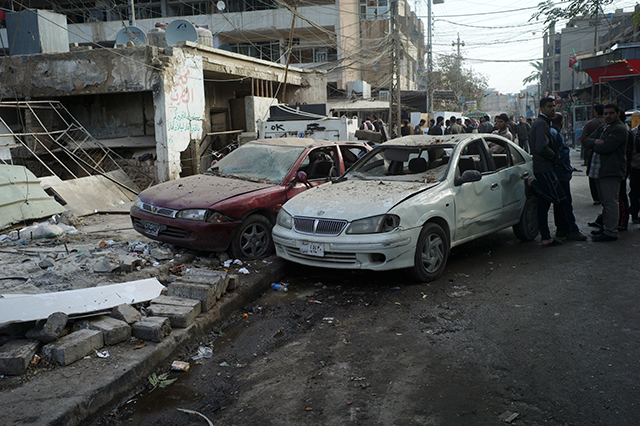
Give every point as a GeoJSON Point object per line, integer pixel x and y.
{"type": "Point", "coordinates": [225, 46]}
{"type": "Point", "coordinates": [131, 34]}
{"type": "Point", "coordinates": [221, 5]}
{"type": "Point", "coordinates": [180, 30]}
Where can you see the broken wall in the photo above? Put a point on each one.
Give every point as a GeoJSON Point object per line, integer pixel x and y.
{"type": "Point", "coordinates": [180, 110]}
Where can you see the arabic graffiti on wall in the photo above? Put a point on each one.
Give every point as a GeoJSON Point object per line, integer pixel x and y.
{"type": "Point", "coordinates": [184, 108]}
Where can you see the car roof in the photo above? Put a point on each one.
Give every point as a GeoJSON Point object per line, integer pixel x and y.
{"type": "Point", "coordinates": [420, 140]}
{"type": "Point", "coordinates": [301, 142]}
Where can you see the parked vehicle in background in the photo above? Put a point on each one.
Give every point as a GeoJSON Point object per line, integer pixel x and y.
{"type": "Point", "coordinates": [234, 204]}
{"type": "Point", "coordinates": [407, 202]}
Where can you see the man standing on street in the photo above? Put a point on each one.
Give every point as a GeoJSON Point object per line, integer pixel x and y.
{"type": "Point", "coordinates": [545, 159]}
{"type": "Point", "coordinates": [522, 129]}
{"type": "Point", "coordinates": [502, 121]}
{"type": "Point", "coordinates": [564, 218]}
{"type": "Point", "coordinates": [455, 127]}
{"type": "Point", "coordinates": [437, 128]}
{"type": "Point", "coordinates": [589, 128]}
{"type": "Point", "coordinates": [485, 126]}
{"type": "Point", "coordinates": [379, 126]}
{"type": "Point", "coordinates": [608, 167]}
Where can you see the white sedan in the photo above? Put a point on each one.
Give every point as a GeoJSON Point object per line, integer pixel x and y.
{"type": "Point", "coordinates": [407, 202]}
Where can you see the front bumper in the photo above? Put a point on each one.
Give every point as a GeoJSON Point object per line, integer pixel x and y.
{"type": "Point", "coordinates": [379, 252]}
{"type": "Point", "coordinates": [185, 233]}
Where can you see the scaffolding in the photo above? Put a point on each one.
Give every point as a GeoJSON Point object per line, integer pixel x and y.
{"type": "Point", "coordinates": [44, 137]}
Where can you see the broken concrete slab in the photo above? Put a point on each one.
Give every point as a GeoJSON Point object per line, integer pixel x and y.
{"type": "Point", "coordinates": [131, 263]}
{"type": "Point", "coordinates": [154, 329]}
{"type": "Point", "coordinates": [160, 253]}
{"type": "Point", "coordinates": [46, 263]}
{"type": "Point", "coordinates": [177, 301]}
{"type": "Point", "coordinates": [74, 346]}
{"type": "Point", "coordinates": [52, 330]}
{"type": "Point", "coordinates": [39, 306]}
{"type": "Point", "coordinates": [16, 355]}
{"type": "Point", "coordinates": [104, 264]}
{"type": "Point", "coordinates": [126, 313]}
{"type": "Point", "coordinates": [180, 316]}
{"type": "Point", "coordinates": [206, 294]}
{"type": "Point", "coordinates": [219, 280]}
{"type": "Point", "coordinates": [113, 330]}
{"type": "Point", "coordinates": [17, 184]}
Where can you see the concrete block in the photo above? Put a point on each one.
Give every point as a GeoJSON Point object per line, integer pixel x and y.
{"type": "Point", "coordinates": [180, 316]}
{"type": "Point", "coordinates": [113, 330]}
{"type": "Point", "coordinates": [152, 328]}
{"type": "Point", "coordinates": [233, 282]}
{"type": "Point", "coordinates": [202, 292]}
{"type": "Point", "coordinates": [177, 301]}
{"type": "Point", "coordinates": [126, 313]}
{"type": "Point", "coordinates": [16, 355]}
{"type": "Point", "coordinates": [74, 346]}
{"type": "Point", "coordinates": [160, 253]}
{"type": "Point", "coordinates": [131, 263]}
{"type": "Point", "coordinates": [217, 279]}
{"type": "Point", "coordinates": [52, 330]}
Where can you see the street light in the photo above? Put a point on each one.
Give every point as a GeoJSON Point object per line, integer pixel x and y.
{"type": "Point", "coordinates": [429, 80]}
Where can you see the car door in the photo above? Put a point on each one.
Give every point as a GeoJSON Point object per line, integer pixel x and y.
{"type": "Point", "coordinates": [319, 164]}
{"type": "Point", "coordinates": [511, 169]}
{"type": "Point", "coordinates": [478, 205]}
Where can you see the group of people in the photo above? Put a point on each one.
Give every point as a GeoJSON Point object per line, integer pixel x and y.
{"type": "Point", "coordinates": [612, 148]}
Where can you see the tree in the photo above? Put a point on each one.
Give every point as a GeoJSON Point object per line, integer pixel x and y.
{"type": "Point", "coordinates": [555, 10]}
{"type": "Point", "coordinates": [536, 75]}
{"type": "Point", "coordinates": [446, 78]}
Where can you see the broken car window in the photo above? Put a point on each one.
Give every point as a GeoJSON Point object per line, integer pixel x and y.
{"type": "Point", "coordinates": [259, 162]}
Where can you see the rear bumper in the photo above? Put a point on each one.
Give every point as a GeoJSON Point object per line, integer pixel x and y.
{"type": "Point", "coordinates": [186, 233]}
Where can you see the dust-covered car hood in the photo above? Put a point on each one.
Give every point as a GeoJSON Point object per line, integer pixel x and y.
{"type": "Point", "coordinates": [353, 199]}
{"type": "Point", "coordinates": [198, 191]}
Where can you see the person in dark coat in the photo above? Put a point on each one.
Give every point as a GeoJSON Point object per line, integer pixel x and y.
{"type": "Point", "coordinates": [545, 158]}
{"type": "Point", "coordinates": [608, 168]}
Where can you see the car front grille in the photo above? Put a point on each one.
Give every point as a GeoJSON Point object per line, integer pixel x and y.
{"type": "Point", "coordinates": [329, 257]}
{"type": "Point", "coordinates": [168, 231]}
{"type": "Point", "coordinates": [307, 225]}
{"type": "Point", "coordinates": [160, 211]}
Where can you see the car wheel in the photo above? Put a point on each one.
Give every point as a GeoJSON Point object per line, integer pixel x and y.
{"type": "Point", "coordinates": [431, 255]}
{"type": "Point", "coordinates": [252, 239]}
{"type": "Point", "coordinates": [527, 228]}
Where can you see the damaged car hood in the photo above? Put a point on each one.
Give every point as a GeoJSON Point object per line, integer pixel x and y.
{"type": "Point", "coordinates": [353, 199]}
{"type": "Point", "coordinates": [198, 191]}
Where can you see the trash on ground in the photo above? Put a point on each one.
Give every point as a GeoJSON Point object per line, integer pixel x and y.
{"type": "Point", "coordinates": [224, 364]}
{"type": "Point", "coordinates": [180, 366]}
{"type": "Point", "coordinates": [103, 354]}
{"type": "Point", "coordinates": [244, 271]}
{"type": "Point", "coordinates": [140, 346]}
{"type": "Point", "coordinates": [279, 287]}
{"type": "Point", "coordinates": [508, 416]}
{"type": "Point", "coordinates": [394, 288]}
{"type": "Point", "coordinates": [314, 301]}
{"type": "Point", "coordinates": [203, 352]}
{"type": "Point", "coordinates": [237, 262]}
{"type": "Point", "coordinates": [195, 413]}
{"type": "Point", "coordinates": [36, 359]}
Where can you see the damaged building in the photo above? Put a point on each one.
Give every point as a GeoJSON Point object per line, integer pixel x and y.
{"type": "Point", "coordinates": [155, 113]}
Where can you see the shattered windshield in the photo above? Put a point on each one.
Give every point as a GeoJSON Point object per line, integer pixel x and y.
{"type": "Point", "coordinates": [258, 162]}
{"type": "Point", "coordinates": [426, 164]}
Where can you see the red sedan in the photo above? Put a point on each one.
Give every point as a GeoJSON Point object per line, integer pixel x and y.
{"type": "Point", "coordinates": [234, 204]}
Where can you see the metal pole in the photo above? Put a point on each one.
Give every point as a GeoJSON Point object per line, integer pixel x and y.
{"type": "Point", "coordinates": [132, 17]}
{"type": "Point", "coordinates": [429, 81]}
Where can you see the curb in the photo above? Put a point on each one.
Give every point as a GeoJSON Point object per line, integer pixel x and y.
{"type": "Point", "coordinates": [103, 382]}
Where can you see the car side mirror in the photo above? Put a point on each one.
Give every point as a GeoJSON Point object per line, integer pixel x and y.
{"type": "Point", "coordinates": [302, 178]}
{"type": "Point", "coordinates": [468, 176]}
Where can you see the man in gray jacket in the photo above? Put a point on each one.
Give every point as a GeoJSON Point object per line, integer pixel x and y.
{"type": "Point", "coordinates": [608, 167]}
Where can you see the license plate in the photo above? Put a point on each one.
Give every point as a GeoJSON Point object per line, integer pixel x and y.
{"type": "Point", "coordinates": [151, 228]}
{"type": "Point", "coordinates": [312, 249]}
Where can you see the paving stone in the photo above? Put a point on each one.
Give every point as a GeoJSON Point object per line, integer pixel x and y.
{"type": "Point", "coordinates": [177, 301]}
{"type": "Point", "coordinates": [152, 328]}
{"type": "Point", "coordinates": [131, 263]}
{"type": "Point", "coordinates": [217, 279]}
{"type": "Point", "coordinates": [113, 330]}
{"type": "Point", "coordinates": [74, 346]}
{"type": "Point", "coordinates": [126, 313]}
{"type": "Point", "coordinates": [52, 330]}
{"type": "Point", "coordinates": [202, 292]}
{"type": "Point", "coordinates": [180, 316]}
{"type": "Point", "coordinates": [15, 356]}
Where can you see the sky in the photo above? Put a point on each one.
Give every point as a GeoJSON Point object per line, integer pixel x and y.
{"type": "Point", "coordinates": [492, 31]}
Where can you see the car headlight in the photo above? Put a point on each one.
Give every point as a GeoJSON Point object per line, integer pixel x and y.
{"type": "Point", "coordinates": [374, 224]}
{"type": "Point", "coordinates": [198, 215]}
{"type": "Point", "coordinates": [284, 219]}
{"type": "Point", "coordinates": [216, 217]}
{"type": "Point", "coordinates": [138, 203]}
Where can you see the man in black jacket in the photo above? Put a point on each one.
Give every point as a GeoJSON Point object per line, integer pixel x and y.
{"type": "Point", "coordinates": [608, 167]}
{"type": "Point", "coordinates": [545, 158]}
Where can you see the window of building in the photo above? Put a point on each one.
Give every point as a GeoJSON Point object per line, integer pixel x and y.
{"type": "Point", "coordinates": [556, 87]}
{"type": "Point", "coordinates": [556, 66]}
{"type": "Point", "coordinates": [267, 50]}
{"type": "Point", "coordinates": [557, 47]}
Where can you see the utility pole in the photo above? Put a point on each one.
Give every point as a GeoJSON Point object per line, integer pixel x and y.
{"type": "Point", "coordinates": [132, 17]}
{"type": "Point", "coordinates": [429, 79]}
{"type": "Point", "coordinates": [395, 115]}
{"type": "Point", "coordinates": [458, 64]}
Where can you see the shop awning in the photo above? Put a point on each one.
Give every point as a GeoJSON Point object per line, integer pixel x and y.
{"type": "Point", "coordinates": [616, 70]}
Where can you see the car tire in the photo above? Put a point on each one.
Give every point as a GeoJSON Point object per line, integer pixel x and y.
{"type": "Point", "coordinates": [432, 252]}
{"type": "Point", "coordinates": [527, 228]}
{"type": "Point", "coordinates": [252, 239]}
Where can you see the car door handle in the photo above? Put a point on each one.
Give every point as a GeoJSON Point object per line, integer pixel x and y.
{"type": "Point", "coordinates": [494, 186]}
{"type": "Point", "coordinates": [525, 175]}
